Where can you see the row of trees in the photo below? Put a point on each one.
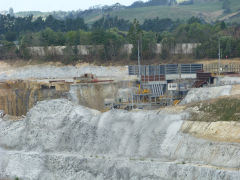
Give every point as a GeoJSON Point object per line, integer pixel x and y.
{"type": "Point", "coordinates": [112, 40]}
{"type": "Point", "coordinates": [109, 22]}
{"type": "Point", "coordinates": [11, 26]}
{"type": "Point", "coordinates": [112, 33]}
{"type": "Point", "coordinates": [138, 4]}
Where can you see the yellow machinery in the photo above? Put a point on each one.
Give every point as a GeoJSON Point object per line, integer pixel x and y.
{"type": "Point", "coordinates": [176, 102]}
{"type": "Point", "coordinates": [217, 75]}
{"type": "Point", "coordinates": [142, 91]}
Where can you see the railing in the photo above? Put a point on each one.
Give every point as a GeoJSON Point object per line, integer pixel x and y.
{"type": "Point", "coordinates": [156, 70]}
{"type": "Point", "coordinates": [214, 68]}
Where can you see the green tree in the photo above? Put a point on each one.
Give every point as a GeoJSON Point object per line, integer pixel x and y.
{"type": "Point", "coordinates": [85, 37]}
{"type": "Point", "coordinates": [70, 54]}
{"type": "Point", "coordinates": [135, 37]}
{"type": "Point", "coordinates": [48, 37]}
{"type": "Point", "coordinates": [149, 42]}
{"type": "Point", "coordinates": [111, 40]}
{"type": "Point", "coordinates": [73, 38]}
{"type": "Point", "coordinates": [109, 22]}
{"type": "Point", "coordinates": [113, 43]}
{"type": "Point", "coordinates": [168, 43]}
{"type": "Point", "coordinates": [159, 25]}
{"type": "Point", "coordinates": [11, 36]}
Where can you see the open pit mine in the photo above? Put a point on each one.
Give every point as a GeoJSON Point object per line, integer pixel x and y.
{"type": "Point", "coordinates": [150, 122]}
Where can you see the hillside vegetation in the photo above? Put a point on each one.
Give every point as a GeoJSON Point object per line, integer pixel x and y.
{"type": "Point", "coordinates": [210, 11]}
{"type": "Point", "coordinates": [223, 109]}
{"type": "Point", "coordinates": [164, 24]}
{"type": "Point", "coordinates": [110, 35]}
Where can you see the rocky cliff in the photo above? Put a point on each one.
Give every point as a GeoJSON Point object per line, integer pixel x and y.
{"type": "Point", "coordinates": [59, 140]}
{"type": "Point", "coordinates": [17, 97]}
{"type": "Point", "coordinates": [126, 50]}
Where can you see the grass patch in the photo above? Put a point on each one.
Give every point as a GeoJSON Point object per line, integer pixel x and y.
{"type": "Point", "coordinates": [224, 109]}
{"type": "Point", "coordinates": [174, 12]}
{"type": "Point", "coordinates": [143, 13]}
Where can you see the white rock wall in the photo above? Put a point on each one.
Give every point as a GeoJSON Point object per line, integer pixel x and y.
{"type": "Point", "coordinates": [84, 50]}
{"type": "Point", "coordinates": [58, 140]}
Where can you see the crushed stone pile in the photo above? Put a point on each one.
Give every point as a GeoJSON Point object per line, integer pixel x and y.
{"type": "Point", "coordinates": [42, 72]}
{"type": "Point", "coordinates": [205, 93]}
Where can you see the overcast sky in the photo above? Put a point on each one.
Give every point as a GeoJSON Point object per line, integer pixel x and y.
{"type": "Point", "coordinates": [54, 5]}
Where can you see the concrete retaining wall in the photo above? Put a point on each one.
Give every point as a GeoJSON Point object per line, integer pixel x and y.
{"type": "Point", "coordinates": [92, 95]}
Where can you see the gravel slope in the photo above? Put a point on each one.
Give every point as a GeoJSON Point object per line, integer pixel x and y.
{"type": "Point", "coordinates": [58, 140]}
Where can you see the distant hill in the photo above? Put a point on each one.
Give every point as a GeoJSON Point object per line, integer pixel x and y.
{"type": "Point", "coordinates": [209, 10]}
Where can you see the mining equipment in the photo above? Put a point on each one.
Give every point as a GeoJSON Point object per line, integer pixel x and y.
{"type": "Point", "coordinates": [158, 85]}
{"type": "Point", "coordinates": [89, 78]}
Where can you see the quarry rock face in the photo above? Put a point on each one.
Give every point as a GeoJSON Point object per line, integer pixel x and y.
{"type": "Point", "coordinates": [17, 97]}
{"type": "Point", "coordinates": [93, 95]}
{"type": "Point", "coordinates": [60, 140]}
{"type": "Point", "coordinates": [85, 50]}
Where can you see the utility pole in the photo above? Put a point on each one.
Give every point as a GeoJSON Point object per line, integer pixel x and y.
{"type": "Point", "coordinates": [139, 65]}
{"type": "Point", "coordinates": [219, 56]}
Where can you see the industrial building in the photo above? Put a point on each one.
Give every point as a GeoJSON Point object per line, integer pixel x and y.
{"type": "Point", "coordinates": [163, 85]}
